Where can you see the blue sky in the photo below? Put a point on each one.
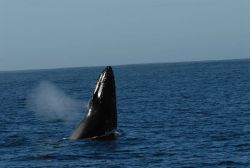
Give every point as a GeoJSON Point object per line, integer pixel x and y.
{"type": "Point", "coordinates": [37, 34]}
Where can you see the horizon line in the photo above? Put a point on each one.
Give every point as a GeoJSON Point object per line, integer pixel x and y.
{"type": "Point", "coordinates": [117, 65]}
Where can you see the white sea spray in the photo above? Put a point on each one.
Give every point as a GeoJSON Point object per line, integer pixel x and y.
{"type": "Point", "coordinates": [50, 102]}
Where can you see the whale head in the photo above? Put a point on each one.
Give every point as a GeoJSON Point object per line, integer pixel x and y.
{"type": "Point", "coordinates": [101, 115]}
{"type": "Point", "coordinates": [105, 87]}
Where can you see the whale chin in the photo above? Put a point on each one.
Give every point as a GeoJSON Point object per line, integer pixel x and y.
{"type": "Point", "coordinates": [100, 120]}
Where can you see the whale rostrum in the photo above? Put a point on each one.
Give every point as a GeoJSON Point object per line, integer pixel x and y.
{"type": "Point", "coordinates": [100, 119]}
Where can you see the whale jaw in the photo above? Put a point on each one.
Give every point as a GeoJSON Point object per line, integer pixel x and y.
{"type": "Point", "coordinates": [101, 116]}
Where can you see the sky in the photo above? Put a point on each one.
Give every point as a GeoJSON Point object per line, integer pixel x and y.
{"type": "Point", "coordinates": [41, 34]}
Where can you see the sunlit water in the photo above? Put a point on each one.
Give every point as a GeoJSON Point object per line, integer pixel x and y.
{"type": "Point", "coordinates": [169, 115]}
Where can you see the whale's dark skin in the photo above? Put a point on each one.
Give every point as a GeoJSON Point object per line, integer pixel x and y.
{"type": "Point", "coordinates": [101, 116]}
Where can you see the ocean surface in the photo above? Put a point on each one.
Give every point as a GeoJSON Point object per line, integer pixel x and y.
{"type": "Point", "coordinates": [169, 115]}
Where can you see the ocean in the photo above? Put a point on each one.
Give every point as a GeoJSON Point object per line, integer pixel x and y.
{"type": "Point", "coordinates": [194, 114]}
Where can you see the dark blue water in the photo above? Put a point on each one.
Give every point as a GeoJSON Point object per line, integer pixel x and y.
{"type": "Point", "coordinates": [169, 115]}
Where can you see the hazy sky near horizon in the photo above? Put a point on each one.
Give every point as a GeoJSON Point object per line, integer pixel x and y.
{"type": "Point", "coordinates": [37, 34]}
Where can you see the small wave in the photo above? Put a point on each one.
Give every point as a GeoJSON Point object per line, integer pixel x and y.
{"type": "Point", "coordinates": [224, 136]}
{"type": "Point", "coordinates": [21, 102]}
{"type": "Point", "coordinates": [223, 163]}
{"type": "Point", "coordinates": [42, 157]}
{"type": "Point", "coordinates": [13, 140]}
{"type": "Point", "coordinates": [227, 163]}
{"type": "Point", "coordinates": [49, 157]}
{"type": "Point", "coordinates": [242, 147]}
{"type": "Point", "coordinates": [112, 135]}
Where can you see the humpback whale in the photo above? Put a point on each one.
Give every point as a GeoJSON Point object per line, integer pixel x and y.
{"type": "Point", "coordinates": [100, 120]}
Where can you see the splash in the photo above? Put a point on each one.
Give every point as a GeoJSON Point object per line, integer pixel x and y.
{"type": "Point", "coordinates": [50, 102]}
